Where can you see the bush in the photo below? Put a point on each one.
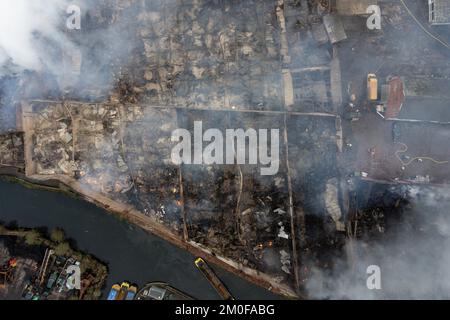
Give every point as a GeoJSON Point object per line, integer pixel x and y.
{"type": "Point", "coordinates": [32, 238]}
{"type": "Point", "coordinates": [57, 235]}
{"type": "Point", "coordinates": [62, 249]}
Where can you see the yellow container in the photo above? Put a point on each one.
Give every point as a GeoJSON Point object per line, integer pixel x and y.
{"type": "Point", "coordinates": [372, 87]}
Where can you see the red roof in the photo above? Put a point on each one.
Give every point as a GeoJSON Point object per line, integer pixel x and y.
{"type": "Point", "coordinates": [396, 97]}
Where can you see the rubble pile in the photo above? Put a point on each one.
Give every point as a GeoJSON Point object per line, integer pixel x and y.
{"type": "Point", "coordinates": [226, 64]}
{"type": "Point", "coordinates": [211, 192]}
{"type": "Point", "coordinates": [211, 54]}
{"type": "Point", "coordinates": [81, 141]}
{"type": "Point", "coordinates": [310, 56]}
{"type": "Point", "coordinates": [300, 66]}
{"type": "Point", "coordinates": [312, 157]}
{"type": "Point", "coordinates": [147, 150]}
{"type": "Point", "coordinates": [99, 154]}
{"type": "Point", "coordinates": [265, 225]}
{"type": "Point", "coordinates": [11, 150]}
{"type": "Point", "coordinates": [53, 139]}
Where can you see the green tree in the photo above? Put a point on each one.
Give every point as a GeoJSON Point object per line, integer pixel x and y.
{"type": "Point", "coordinates": [62, 249]}
{"type": "Point", "coordinates": [32, 238]}
{"type": "Point", "coordinates": [57, 235]}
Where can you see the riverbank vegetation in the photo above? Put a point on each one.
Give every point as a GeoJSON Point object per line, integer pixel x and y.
{"type": "Point", "coordinates": [23, 242]}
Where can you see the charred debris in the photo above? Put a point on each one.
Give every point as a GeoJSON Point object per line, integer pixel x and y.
{"type": "Point", "coordinates": [296, 65]}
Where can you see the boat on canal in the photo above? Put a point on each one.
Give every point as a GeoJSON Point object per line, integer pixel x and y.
{"type": "Point", "coordinates": [161, 291]}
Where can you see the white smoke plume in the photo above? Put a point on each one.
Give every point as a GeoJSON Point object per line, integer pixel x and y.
{"type": "Point", "coordinates": [22, 24]}
{"type": "Point", "coordinates": [413, 256]}
{"type": "Point", "coordinates": [34, 37]}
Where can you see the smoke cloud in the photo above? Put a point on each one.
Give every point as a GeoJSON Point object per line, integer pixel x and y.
{"type": "Point", "coordinates": [35, 39]}
{"type": "Point", "coordinates": [41, 58]}
{"type": "Point", "coordinates": [23, 24]}
{"type": "Point", "coordinates": [413, 255]}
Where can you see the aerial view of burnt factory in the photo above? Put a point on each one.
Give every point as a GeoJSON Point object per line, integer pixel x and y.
{"type": "Point", "coordinates": [301, 146]}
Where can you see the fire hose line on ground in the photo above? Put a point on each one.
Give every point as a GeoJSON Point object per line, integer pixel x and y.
{"type": "Point", "coordinates": [422, 26]}
{"type": "Point", "coordinates": [397, 154]}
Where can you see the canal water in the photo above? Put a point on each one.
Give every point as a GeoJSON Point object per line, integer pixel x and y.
{"type": "Point", "coordinates": [131, 253]}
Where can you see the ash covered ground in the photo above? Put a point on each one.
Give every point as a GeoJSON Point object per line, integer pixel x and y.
{"type": "Point", "coordinates": [97, 107]}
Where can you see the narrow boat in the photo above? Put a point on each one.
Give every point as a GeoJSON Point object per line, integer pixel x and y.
{"type": "Point", "coordinates": [132, 291]}
{"type": "Point", "coordinates": [123, 291]}
{"type": "Point", "coordinates": [114, 292]}
{"type": "Point", "coordinates": [213, 279]}
{"type": "Point", "coordinates": [161, 291]}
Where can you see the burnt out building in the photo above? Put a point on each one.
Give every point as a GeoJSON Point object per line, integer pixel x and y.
{"type": "Point", "coordinates": [297, 67]}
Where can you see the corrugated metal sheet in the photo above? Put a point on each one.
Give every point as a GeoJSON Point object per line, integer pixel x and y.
{"type": "Point", "coordinates": [439, 11]}
{"type": "Point", "coordinates": [334, 27]}
{"type": "Point", "coordinates": [396, 98]}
